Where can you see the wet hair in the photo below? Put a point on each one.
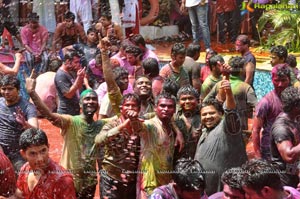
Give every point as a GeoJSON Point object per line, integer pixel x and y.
{"type": "Point", "coordinates": [281, 70]}
{"type": "Point", "coordinates": [131, 96]}
{"type": "Point", "coordinates": [151, 67]}
{"type": "Point", "coordinates": [106, 15]}
{"type": "Point", "coordinates": [170, 86]}
{"type": "Point", "coordinates": [33, 17]}
{"type": "Point", "coordinates": [33, 137]}
{"type": "Point", "coordinates": [188, 90]}
{"type": "Point", "coordinates": [119, 72]}
{"type": "Point", "coordinates": [189, 175]}
{"type": "Point", "coordinates": [193, 49]}
{"type": "Point", "coordinates": [10, 80]}
{"type": "Point", "coordinates": [125, 43]}
{"type": "Point", "coordinates": [280, 51]}
{"type": "Point", "coordinates": [260, 173]}
{"type": "Point", "coordinates": [178, 49]}
{"type": "Point", "coordinates": [165, 95]}
{"type": "Point", "coordinates": [237, 64]}
{"type": "Point", "coordinates": [213, 61]}
{"type": "Point", "coordinates": [213, 102]}
{"type": "Point", "coordinates": [69, 15]}
{"type": "Point", "coordinates": [54, 64]}
{"type": "Point", "coordinates": [233, 177]}
{"type": "Point", "coordinates": [291, 60]}
{"type": "Point", "coordinates": [138, 39]}
{"type": "Point", "coordinates": [136, 51]}
{"type": "Point", "coordinates": [70, 54]}
{"type": "Point", "coordinates": [290, 99]}
{"type": "Point", "coordinates": [244, 39]}
{"type": "Point", "coordinates": [91, 30]}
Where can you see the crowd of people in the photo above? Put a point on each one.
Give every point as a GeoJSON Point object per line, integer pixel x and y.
{"type": "Point", "coordinates": [142, 129]}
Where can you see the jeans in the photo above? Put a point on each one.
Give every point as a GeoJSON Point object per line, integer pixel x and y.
{"type": "Point", "coordinates": [113, 189]}
{"type": "Point", "coordinates": [198, 17]}
{"type": "Point", "coordinates": [226, 17]}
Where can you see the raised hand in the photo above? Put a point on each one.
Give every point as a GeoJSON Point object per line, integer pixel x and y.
{"type": "Point", "coordinates": [19, 115]}
{"type": "Point", "coordinates": [30, 81]}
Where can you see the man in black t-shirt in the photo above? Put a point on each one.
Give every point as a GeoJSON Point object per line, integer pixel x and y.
{"type": "Point", "coordinates": [285, 132]}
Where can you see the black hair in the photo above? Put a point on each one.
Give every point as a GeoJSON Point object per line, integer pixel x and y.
{"type": "Point", "coordinates": [193, 49]}
{"type": "Point", "coordinates": [106, 15]}
{"type": "Point", "coordinates": [237, 64]}
{"type": "Point", "coordinates": [11, 80]}
{"type": "Point", "coordinates": [280, 51]}
{"type": "Point", "coordinates": [213, 61]}
{"type": "Point", "coordinates": [178, 49]}
{"type": "Point", "coordinates": [54, 64]}
{"type": "Point", "coordinates": [170, 86]}
{"type": "Point", "coordinates": [244, 39]}
{"type": "Point", "coordinates": [290, 99]}
{"type": "Point", "coordinates": [188, 90]}
{"type": "Point", "coordinates": [165, 95]}
{"type": "Point", "coordinates": [69, 15]}
{"type": "Point", "coordinates": [136, 51]}
{"type": "Point", "coordinates": [138, 39]}
{"type": "Point", "coordinates": [151, 67]}
{"type": "Point", "coordinates": [33, 137]}
{"type": "Point", "coordinates": [281, 70]}
{"type": "Point", "coordinates": [213, 102]}
{"type": "Point", "coordinates": [92, 29]}
{"type": "Point", "coordinates": [233, 177]}
{"type": "Point", "coordinates": [119, 72]}
{"type": "Point", "coordinates": [189, 175]}
{"type": "Point", "coordinates": [260, 173]}
{"type": "Point", "coordinates": [138, 77]}
{"type": "Point", "coordinates": [131, 96]}
{"type": "Point", "coordinates": [70, 54]}
{"type": "Point", "coordinates": [33, 17]}
{"type": "Point", "coordinates": [211, 52]}
{"type": "Point", "coordinates": [291, 60]}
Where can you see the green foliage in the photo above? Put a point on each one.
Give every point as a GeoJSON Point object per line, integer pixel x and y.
{"type": "Point", "coordinates": [280, 27]}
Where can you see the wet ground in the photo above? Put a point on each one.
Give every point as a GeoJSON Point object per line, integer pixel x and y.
{"type": "Point", "coordinates": [163, 50]}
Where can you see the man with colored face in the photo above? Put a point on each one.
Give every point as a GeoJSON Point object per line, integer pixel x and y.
{"type": "Point", "coordinates": [261, 180]}
{"type": "Point", "coordinates": [221, 138]}
{"type": "Point", "coordinates": [267, 110]}
{"type": "Point", "coordinates": [16, 115]}
{"type": "Point", "coordinates": [174, 70]}
{"type": "Point", "coordinates": [41, 177]}
{"type": "Point", "coordinates": [79, 154]}
{"type": "Point", "coordinates": [188, 121]}
{"type": "Point", "coordinates": [157, 146]}
{"type": "Point", "coordinates": [121, 141]}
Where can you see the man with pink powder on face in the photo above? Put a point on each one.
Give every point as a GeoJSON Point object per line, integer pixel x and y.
{"type": "Point", "coordinates": [267, 110]}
